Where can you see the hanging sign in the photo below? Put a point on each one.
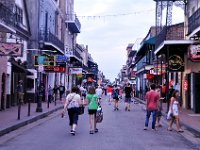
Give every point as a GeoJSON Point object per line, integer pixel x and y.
{"type": "Point", "coordinates": [175, 63]}
{"type": "Point", "coordinates": [185, 85]}
{"type": "Point", "coordinates": [10, 49]}
{"type": "Point", "coordinates": [194, 52]}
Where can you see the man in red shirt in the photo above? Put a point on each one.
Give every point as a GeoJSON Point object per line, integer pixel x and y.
{"type": "Point", "coordinates": [152, 98]}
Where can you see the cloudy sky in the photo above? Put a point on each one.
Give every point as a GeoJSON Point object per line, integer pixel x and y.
{"type": "Point", "coordinates": [108, 36]}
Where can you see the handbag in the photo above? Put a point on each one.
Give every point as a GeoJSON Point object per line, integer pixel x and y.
{"type": "Point", "coordinates": [99, 115]}
{"type": "Point", "coordinates": [81, 110]}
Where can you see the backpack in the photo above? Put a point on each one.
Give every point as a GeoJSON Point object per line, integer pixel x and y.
{"type": "Point", "coordinates": [115, 93]}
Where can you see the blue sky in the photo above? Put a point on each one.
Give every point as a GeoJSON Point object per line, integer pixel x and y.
{"type": "Point", "coordinates": [108, 37]}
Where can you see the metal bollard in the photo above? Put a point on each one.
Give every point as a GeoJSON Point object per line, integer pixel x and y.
{"type": "Point", "coordinates": [48, 101]}
{"type": "Point", "coordinates": [19, 109]}
{"type": "Point", "coordinates": [55, 101]}
{"type": "Point", "coordinates": [29, 107]}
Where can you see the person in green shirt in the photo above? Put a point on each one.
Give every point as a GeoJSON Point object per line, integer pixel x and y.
{"type": "Point", "coordinates": [92, 109]}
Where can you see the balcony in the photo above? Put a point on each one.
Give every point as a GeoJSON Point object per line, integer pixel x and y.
{"type": "Point", "coordinates": [194, 21]}
{"type": "Point", "coordinates": [174, 32]}
{"type": "Point", "coordinates": [7, 19]}
{"type": "Point", "coordinates": [73, 24]}
{"type": "Point", "coordinates": [52, 40]}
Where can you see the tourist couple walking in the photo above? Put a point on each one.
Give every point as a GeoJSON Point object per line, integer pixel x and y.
{"type": "Point", "coordinates": [153, 107]}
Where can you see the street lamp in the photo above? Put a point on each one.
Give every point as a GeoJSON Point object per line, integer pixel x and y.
{"type": "Point", "coordinates": [40, 86]}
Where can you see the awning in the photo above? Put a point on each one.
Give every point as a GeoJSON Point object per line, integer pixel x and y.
{"type": "Point", "coordinates": [163, 46]}
{"type": "Point", "coordinates": [142, 51]}
{"type": "Point", "coordinates": [145, 68]}
{"type": "Point", "coordinates": [19, 69]}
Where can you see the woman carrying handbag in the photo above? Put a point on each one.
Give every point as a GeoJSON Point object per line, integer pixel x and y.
{"type": "Point", "coordinates": [72, 105]}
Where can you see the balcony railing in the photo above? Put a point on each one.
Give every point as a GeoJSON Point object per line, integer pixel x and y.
{"type": "Point", "coordinates": [51, 38]}
{"type": "Point", "coordinates": [7, 16]}
{"type": "Point", "coordinates": [194, 21]}
{"type": "Point", "coordinates": [161, 37]}
{"type": "Point", "coordinates": [73, 23]}
{"type": "Point", "coordinates": [141, 63]}
{"type": "Point", "coordinates": [77, 54]}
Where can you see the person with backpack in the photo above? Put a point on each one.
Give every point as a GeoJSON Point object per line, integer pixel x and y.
{"type": "Point", "coordinates": [72, 104]}
{"type": "Point", "coordinates": [115, 96]}
{"type": "Point", "coordinates": [128, 92]}
{"type": "Point", "coordinates": [92, 109]}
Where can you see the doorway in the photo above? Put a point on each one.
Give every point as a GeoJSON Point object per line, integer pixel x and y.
{"type": "Point", "coordinates": [3, 91]}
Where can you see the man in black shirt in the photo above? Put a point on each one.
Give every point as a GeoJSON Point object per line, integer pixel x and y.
{"type": "Point", "coordinates": [128, 94]}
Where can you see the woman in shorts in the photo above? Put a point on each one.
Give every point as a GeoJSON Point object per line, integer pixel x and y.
{"type": "Point", "coordinates": [92, 109]}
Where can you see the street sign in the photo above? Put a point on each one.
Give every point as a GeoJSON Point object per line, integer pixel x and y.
{"type": "Point", "coordinates": [185, 85]}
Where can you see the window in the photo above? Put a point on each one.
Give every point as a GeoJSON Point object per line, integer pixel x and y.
{"type": "Point", "coordinates": [19, 14]}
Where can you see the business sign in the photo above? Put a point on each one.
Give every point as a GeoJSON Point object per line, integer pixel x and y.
{"type": "Point", "coordinates": [61, 60]}
{"type": "Point", "coordinates": [194, 52]}
{"type": "Point", "coordinates": [10, 49]}
{"type": "Point", "coordinates": [54, 69]}
{"type": "Point", "coordinates": [175, 63]}
{"type": "Point", "coordinates": [75, 70]}
{"type": "Point", "coordinates": [185, 85]}
{"type": "Point", "coordinates": [44, 60]}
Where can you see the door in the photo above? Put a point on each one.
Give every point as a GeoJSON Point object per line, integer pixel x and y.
{"type": "Point", "coordinates": [3, 91]}
{"type": "Point", "coordinates": [197, 93]}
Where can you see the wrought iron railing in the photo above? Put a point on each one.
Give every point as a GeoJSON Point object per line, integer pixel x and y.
{"type": "Point", "coordinates": [7, 16]}
{"type": "Point", "coordinates": [77, 54]}
{"type": "Point", "coordinates": [51, 38]}
{"type": "Point", "coordinates": [194, 21]}
{"type": "Point", "coordinates": [161, 37]}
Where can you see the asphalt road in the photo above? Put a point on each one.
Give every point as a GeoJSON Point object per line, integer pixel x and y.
{"type": "Point", "coordinates": [119, 131]}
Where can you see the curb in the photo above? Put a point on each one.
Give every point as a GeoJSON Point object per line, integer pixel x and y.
{"type": "Point", "coordinates": [189, 128]}
{"type": "Point", "coordinates": [27, 121]}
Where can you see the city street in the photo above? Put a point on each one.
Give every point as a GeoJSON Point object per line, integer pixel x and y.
{"type": "Point", "coordinates": [119, 131]}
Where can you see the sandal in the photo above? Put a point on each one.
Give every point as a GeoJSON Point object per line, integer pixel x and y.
{"type": "Point", "coordinates": [96, 130]}
{"type": "Point", "coordinates": [169, 129]}
{"type": "Point", "coordinates": [91, 132]}
{"type": "Point", "coordinates": [180, 131]}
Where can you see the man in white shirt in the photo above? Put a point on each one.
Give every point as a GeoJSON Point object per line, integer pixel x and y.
{"type": "Point", "coordinates": [99, 93]}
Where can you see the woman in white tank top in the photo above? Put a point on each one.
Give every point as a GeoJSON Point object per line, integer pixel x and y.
{"type": "Point", "coordinates": [174, 111]}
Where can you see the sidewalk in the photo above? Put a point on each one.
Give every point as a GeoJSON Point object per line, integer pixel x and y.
{"type": "Point", "coordinates": [189, 119]}
{"type": "Point", "coordinates": [9, 121]}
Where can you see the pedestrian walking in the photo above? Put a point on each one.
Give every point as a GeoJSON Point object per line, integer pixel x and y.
{"type": "Point", "coordinates": [72, 104]}
{"type": "Point", "coordinates": [105, 89]}
{"type": "Point", "coordinates": [109, 93]}
{"type": "Point", "coordinates": [128, 92]}
{"type": "Point", "coordinates": [61, 91]}
{"type": "Point", "coordinates": [99, 93]}
{"type": "Point", "coordinates": [50, 94]}
{"type": "Point", "coordinates": [115, 96]}
{"type": "Point", "coordinates": [92, 109]}
{"type": "Point", "coordinates": [174, 112]}
{"type": "Point", "coordinates": [20, 92]}
{"type": "Point", "coordinates": [159, 112]}
{"type": "Point", "coordinates": [83, 92]}
{"type": "Point", "coordinates": [152, 104]}
{"type": "Point", "coordinates": [171, 91]}
{"type": "Point", "coordinates": [55, 92]}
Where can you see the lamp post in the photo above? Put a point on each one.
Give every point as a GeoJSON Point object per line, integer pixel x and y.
{"type": "Point", "coordinates": [40, 87]}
